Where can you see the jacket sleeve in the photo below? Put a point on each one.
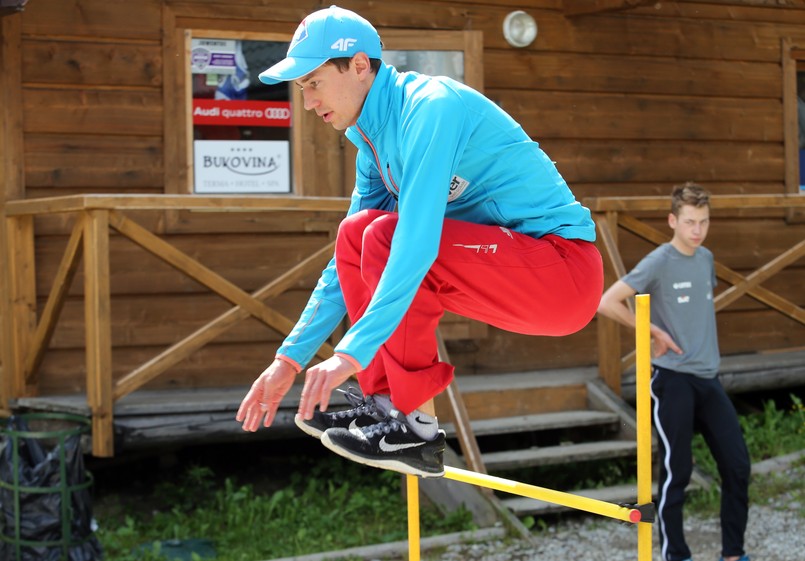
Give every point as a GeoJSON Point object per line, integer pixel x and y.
{"type": "Point", "coordinates": [325, 308]}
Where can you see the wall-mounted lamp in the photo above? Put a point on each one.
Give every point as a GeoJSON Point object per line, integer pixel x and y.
{"type": "Point", "coordinates": [16, 5]}
{"type": "Point", "coordinates": [519, 29]}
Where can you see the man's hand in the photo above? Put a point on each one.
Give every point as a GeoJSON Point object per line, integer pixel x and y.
{"type": "Point", "coordinates": [320, 381]}
{"type": "Point", "coordinates": [662, 342]}
{"type": "Point", "coordinates": [265, 395]}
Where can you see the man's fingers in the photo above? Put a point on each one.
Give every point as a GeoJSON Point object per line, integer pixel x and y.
{"type": "Point", "coordinates": [324, 397]}
{"type": "Point", "coordinates": [311, 394]}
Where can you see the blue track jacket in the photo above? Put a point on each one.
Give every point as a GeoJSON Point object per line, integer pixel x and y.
{"type": "Point", "coordinates": [433, 148]}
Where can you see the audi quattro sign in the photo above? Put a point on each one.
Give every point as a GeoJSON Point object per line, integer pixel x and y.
{"type": "Point", "coordinates": [241, 113]}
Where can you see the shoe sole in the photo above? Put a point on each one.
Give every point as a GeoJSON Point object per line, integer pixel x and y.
{"type": "Point", "coordinates": [304, 427]}
{"type": "Point", "coordinates": [393, 465]}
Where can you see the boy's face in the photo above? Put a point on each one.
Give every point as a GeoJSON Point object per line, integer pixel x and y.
{"type": "Point", "coordinates": [337, 97]}
{"type": "Point", "coordinates": [690, 227]}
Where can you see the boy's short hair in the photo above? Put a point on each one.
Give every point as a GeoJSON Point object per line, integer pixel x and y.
{"type": "Point", "coordinates": [689, 193]}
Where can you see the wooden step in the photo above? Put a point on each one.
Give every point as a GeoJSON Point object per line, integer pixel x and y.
{"type": "Point", "coordinates": [518, 394]}
{"type": "Point", "coordinates": [617, 494]}
{"type": "Point", "coordinates": [537, 422]}
{"type": "Point", "coordinates": [563, 454]}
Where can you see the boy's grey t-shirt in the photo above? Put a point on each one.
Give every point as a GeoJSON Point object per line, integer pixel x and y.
{"type": "Point", "coordinates": [681, 289]}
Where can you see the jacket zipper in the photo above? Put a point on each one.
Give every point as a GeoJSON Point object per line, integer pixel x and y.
{"type": "Point", "coordinates": [379, 167]}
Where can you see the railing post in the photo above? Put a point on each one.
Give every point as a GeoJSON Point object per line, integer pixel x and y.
{"type": "Point", "coordinates": [20, 323]}
{"type": "Point", "coordinates": [608, 330]}
{"type": "Point", "coordinates": [98, 326]}
{"type": "Point", "coordinates": [6, 327]}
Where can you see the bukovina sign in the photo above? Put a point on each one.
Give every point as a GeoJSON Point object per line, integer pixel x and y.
{"type": "Point", "coordinates": [257, 166]}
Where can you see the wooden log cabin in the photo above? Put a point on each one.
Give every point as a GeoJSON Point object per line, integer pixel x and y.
{"type": "Point", "coordinates": [124, 274]}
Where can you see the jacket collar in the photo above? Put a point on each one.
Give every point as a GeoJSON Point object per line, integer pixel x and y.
{"type": "Point", "coordinates": [379, 102]}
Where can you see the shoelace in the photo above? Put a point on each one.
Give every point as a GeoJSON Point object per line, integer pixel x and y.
{"type": "Point", "coordinates": [384, 427]}
{"type": "Point", "coordinates": [360, 404]}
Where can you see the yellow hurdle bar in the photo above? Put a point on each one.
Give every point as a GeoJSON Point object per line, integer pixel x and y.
{"type": "Point", "coordinates": [643, 406]}
{"type": "Point", "coordinates": [548, 495]}
{"type": "Point", "coordinates": [610, 510]}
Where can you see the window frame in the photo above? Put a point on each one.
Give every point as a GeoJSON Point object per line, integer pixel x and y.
{"type": "Point", "coordinates": [793, 60]}
{"type": "Point", "coordinates": [308, 138]}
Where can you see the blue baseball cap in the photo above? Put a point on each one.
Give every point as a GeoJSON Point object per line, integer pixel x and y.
{"type": "Point", "coordinates": [330, 33]}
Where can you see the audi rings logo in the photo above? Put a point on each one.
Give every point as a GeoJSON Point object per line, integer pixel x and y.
{"type": "Point", "coordinates": [277, 113]}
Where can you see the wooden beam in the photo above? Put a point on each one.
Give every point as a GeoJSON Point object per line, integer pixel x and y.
{"type": "Point", "coordinates": [11, 187]}
{"type": "Point", "coordinates": [177, 138]}
{"type": "Point", "coordinates": [723, 272]}
{"type": "Point", "coordinates": [7, 350]}
{"type": "Point", "coordinates": [607, 230]}
{"type": "Point", "coordinates": [790, 126]}
{"type": "Point", "coordinates": [608, 330]}
{"type": "Point", "coordinates": [98, 326]}
{"type": "Point", "coordinates": [587, 7]}
{"type": "Point", "coordinates": [22, 291]}
{"type": "Point", "coordinates": [58, 293]}
{"type": "Point", "coordinates": [12, 182]}
{"type": "Point", "coordinates": [461, 419]}
{"type": "Point", "coordinates": [184, 348]}
{"type": "Point", "coordinates": [788, 4]}
{"type": "Point", "coordinates": [768, 270]}
{"type": "Point", "coordinates": [211, 203]}
{"type": "Point", "coordinates": [198, 272]}
{"type": "Point", "coordinates": [718, 202]}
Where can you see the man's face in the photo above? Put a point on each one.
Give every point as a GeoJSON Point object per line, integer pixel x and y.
{"type": "Point", "coordinates": [690, 227]}
{"type": "Point", "coordinates": [337, 97]}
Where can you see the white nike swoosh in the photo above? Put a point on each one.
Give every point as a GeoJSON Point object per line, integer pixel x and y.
{"type": "Point", "coordinates": [386, 447]}
{"type": "Point", "coordinates": [353, 425]}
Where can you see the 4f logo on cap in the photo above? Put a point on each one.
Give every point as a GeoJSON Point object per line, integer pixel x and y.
{"type": "Point", "coordinates": [343, 44]}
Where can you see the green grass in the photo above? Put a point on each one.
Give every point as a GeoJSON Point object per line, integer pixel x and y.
{"type": "Point", "coordinates": [329, 505]}
{"type": "Point", "coordinates": [324, 503]}
{"type": "Point", "coordinates": [776, 431]}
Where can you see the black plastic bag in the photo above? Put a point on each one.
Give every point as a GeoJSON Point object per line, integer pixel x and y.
{"type": "Point", "coordinates": [41, 512]}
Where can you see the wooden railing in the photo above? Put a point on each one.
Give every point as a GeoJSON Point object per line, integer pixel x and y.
{"type": "Point", "coordinates": [611, 213]}
{"type": "Point", "coordinates": [27, 333]}
{"type": "Point", "coordinates": [28, 336]}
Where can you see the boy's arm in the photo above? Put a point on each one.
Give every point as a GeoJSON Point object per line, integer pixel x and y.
{"type": "Point", "coordinates": [613, 305]}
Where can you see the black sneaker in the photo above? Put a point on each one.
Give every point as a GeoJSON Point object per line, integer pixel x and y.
{"type": "Point", "coordinates": [389, 444]}
{"type": "Point", "coordinates": [363, 413]}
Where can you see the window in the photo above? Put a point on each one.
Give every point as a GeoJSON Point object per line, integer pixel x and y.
{"type": "Point", "coordinates": [207, 71]}
{"type": "Point", "coordinates": [241, 127]}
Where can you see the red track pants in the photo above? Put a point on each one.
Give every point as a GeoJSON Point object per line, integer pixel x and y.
{"type": "Point", "coordinates": [547, 286]}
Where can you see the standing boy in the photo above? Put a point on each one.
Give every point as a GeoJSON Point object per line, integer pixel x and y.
{"type": "Point", "coordinates": [454, 208]}
{"type": "Point", "coordinates": [680, 278]}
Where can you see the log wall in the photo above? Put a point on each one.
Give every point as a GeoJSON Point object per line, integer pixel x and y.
{"type": "Point", "coordinates": [626, 102]}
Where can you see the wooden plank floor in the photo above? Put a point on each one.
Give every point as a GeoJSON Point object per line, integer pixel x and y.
{"type": "Point", "coordinates": [750, 372]}
{"type": "Point", "coordinates": [148, 417]}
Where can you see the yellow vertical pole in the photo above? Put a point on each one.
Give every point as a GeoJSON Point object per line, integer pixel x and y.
{"type": "Point", "coordinates": [643, 358]}
{"type": "Point", "coordinates": [412, 488]}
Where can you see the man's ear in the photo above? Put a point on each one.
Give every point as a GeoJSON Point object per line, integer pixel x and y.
{"type": "Point", "coordinates": [362, 65]}
{"type": "Point", "coordinates": [672, 220]}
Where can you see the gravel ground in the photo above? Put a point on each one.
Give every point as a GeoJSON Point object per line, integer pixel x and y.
{"type": "Point", "coordinates": [776, 532]}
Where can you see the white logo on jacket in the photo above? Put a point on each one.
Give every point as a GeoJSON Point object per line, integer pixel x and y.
{"type": "Point", "coordinates": [457, 186]}
{"type": "Point", "coordinates": [479, 248]}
